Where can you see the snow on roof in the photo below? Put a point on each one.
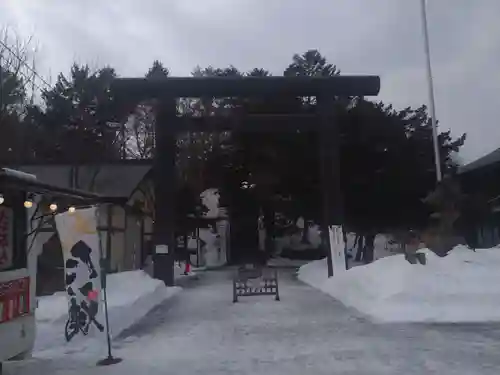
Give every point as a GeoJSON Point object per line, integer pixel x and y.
{"type": "Point", "coordinates": [489, 159]}
{"type": "Point", "coordinates": [110, 180]}
{"type": "Point", "coordinates": [27, 182]}
{"type": "Point", "coordinates": [17, 174]}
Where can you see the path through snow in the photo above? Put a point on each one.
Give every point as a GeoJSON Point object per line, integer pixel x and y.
{"type": "Point", "coordinates": [200, 331]}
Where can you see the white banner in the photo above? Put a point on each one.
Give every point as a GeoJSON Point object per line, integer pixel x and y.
{"type": "Point", "coordinates": [337, 248]}
{"type": "Point", "coordinates": [81, 252]}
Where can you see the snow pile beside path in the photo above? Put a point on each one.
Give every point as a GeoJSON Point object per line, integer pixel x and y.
{"type": "Point", "coordinates": [462, 287]}
{"type": "Point", "coordinates": [52, 308]}
{"type": "Point", "coordinates": [131, 295]}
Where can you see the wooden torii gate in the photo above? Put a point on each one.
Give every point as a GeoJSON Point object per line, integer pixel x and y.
{"type": "Point", "coordinates": [167, 90]}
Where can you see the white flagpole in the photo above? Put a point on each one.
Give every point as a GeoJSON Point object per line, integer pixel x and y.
{"type": "Point", "coordinates": [432, 106]}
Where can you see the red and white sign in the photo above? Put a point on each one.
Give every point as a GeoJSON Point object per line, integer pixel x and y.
{"type": "Point", "coordinates": [14, 299]}
{"type": "Point", "coordinates": [6, 237]}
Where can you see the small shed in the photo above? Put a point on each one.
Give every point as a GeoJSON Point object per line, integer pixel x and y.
{"type": "Point", "coordinates": [125, 222]}
{"type": "Point", "coordinates": [20, 196]}
{"type": "Point", "coordinates": [481, 178]}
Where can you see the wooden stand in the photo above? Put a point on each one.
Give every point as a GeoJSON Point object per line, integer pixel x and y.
{"type": "Point", "coordinates": [255, 282]}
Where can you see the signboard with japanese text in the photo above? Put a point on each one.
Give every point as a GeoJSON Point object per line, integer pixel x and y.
{"type": "Point", "coordinates": [6, 237]}
{"type": "Point", "coordinates": [14, 299]}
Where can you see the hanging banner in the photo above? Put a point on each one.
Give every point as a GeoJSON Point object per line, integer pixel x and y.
{"type": "Point", "coordinates": [81, 253]}
{"type": "Point", "coordinates": [337, 248]}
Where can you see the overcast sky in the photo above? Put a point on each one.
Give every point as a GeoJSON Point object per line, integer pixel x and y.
{"type": "Point", "coordinates": [381, 37]}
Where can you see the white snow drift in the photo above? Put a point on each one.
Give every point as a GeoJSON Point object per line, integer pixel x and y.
{"type": "Point", "coordinates": [131, 295]}
{"type": "Point", "coordinates": [461, 287]}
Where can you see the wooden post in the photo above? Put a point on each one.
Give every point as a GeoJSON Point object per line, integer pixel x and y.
{"type": "Point", "coordinates": [330, 172]}
{"type": "Point", "coordinates": [165, 190]}
{"type": "Point", "coordinates": [109, 235]}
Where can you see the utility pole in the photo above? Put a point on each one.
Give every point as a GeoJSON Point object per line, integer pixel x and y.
{"type": "Point", "coordinates": [430, 86]}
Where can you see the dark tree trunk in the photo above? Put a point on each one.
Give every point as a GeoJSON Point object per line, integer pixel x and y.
{"type": "Point", "coordinates": [186, 249]}
{"type": "Point", "coordinates": [244, 228]}
{"type": "Point", "coordinates": [344, 235]}
{"type": "Point", "coordinates": [305, 233]}
{"type": "Point", "coordinates": [269, 228]}
{"type": "Point", "coordinates": [369, 250]}
{"type": "Point", "coordinates": [360, 253]}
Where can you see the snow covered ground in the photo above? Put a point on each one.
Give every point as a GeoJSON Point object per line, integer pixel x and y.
{"type": "Point", "coordinates": [202, 332]}
{"type": "Point", "coordinates": [131, 295]}
{"type": "Point", "coordinates": [462, 287]}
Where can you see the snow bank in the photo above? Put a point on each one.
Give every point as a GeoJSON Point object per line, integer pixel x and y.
{"type": "Point", "coordinates": [131, 295]}
{"type": "Point", "coordinates": [462, 287]}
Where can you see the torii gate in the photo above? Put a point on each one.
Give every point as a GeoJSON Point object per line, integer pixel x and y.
{"type": "Point", "coordinates": [168, 124]}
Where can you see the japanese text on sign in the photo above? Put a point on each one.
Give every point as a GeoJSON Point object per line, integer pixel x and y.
{"type": "Point", "coordinates": [14, 299]}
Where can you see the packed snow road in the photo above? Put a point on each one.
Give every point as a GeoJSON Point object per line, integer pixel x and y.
{"type": "Point", "coordinates": [200, 331]}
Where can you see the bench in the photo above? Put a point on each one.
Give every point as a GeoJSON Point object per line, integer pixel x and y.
{"type": "Point", "coordinates": [255, 281]}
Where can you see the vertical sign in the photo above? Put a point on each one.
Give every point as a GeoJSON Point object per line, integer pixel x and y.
{"type": "Point", "coordinates": [337, 248]}
{"type": "Point", "coordinates": [6, 237]}
{"type": "Point", "coordinates": [81, 252]}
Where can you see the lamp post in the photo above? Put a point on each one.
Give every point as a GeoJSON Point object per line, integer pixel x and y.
{"type": "Point", "coordinates": [430, 86]}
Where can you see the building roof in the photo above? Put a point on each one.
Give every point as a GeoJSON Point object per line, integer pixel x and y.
{"type": "Point", "coordinates": [487, 160]}
{"type": "Point", "coordinates": [110, 180]}
{"type": "Point", "coordinates": [29, 183]}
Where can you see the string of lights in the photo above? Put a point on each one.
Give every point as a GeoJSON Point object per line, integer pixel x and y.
{"type": "Point", "coordinates": [28, 203]}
